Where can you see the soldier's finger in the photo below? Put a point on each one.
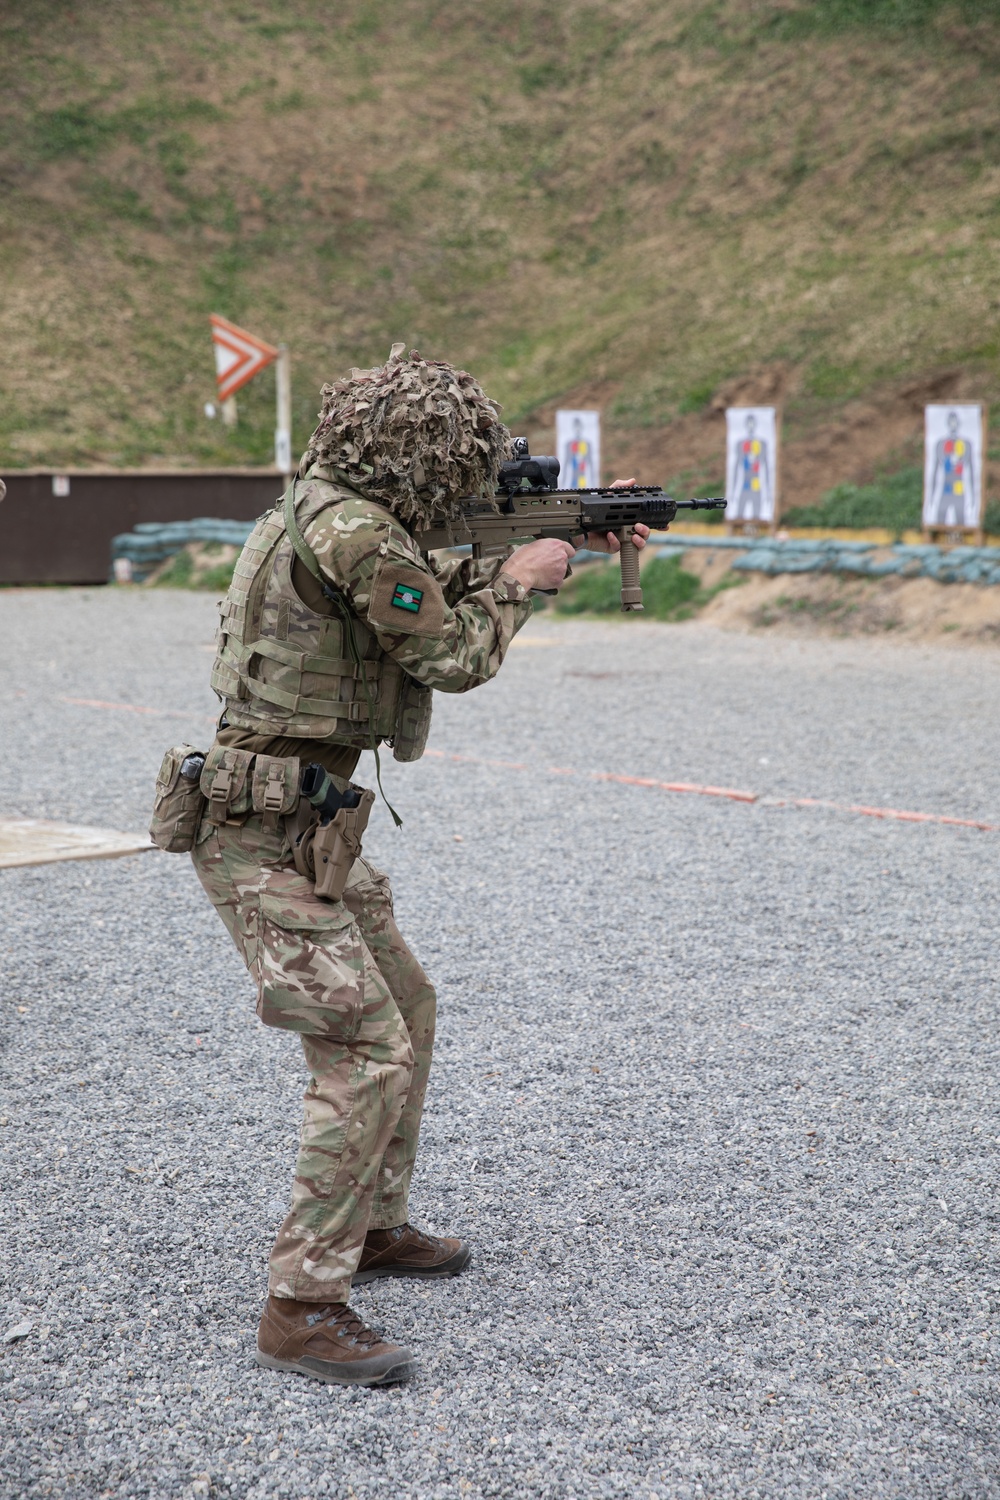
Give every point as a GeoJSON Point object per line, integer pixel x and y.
{"type": "Point", "coordinates": [614, 545]}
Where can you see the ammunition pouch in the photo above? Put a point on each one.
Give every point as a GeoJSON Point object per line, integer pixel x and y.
{"type": "Point", "coordinates": [227, 785]}
{"type": "Point", "coordinates": [274, 791]}
{"type": "Point", "coordinates": [413, 719]}
{"type": "Point", "coordinates": [179, 802]}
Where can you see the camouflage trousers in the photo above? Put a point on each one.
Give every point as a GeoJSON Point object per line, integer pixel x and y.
{"type": "Point", "coordinates": [341, 975]}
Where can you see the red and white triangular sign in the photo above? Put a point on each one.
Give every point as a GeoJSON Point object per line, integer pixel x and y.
{"type": "Point", "coordinates": [238, 356]}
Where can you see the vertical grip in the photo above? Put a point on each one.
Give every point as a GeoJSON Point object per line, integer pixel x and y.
{"type": "Point", "coordinates": [631, 588]}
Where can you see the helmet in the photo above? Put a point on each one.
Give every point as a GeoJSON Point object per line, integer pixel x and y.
{"type": "Point", "coordinates": [415, 434]}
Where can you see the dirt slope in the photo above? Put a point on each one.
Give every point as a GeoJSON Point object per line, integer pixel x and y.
{"type": "Point", "coordinates": [911, 609]}
{"type": "Point", "coordinates": [653, 207]}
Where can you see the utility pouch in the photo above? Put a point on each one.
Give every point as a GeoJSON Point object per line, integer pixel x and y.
{"type": "Point", "coordinates": [275, 787]}
{"type": "Point", "coordinates": [413, 719]}
{"type": "Point", "coordinates": [225, 782]}
{"type": "Point", "coordinates": [336, 845]}
{"type": "Point", "coordinates": [179, 802]}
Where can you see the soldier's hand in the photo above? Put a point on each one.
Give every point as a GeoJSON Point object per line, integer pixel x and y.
{"type": "Point", "coordinates": [597, 541]}
{"type": "Point", "coordinates": [541, 564]}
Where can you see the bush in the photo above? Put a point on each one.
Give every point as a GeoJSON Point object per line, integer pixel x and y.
{"type": "Point", "coordinates": [217, 579]}
{"type": "Point", "coordinates": [668, 591]}
{"type": "Point", "coordinates": [177, 573]}
{"type": "Point", "coordinates": [191, 569]}
{"type": "Point", "coordinates": [893, 501]}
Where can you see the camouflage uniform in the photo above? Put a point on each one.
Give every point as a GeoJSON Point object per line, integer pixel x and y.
{"type": "Point", "coordinates": [340, 973]}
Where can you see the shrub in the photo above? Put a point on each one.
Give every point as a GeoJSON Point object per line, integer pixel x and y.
{"type": "Point", "coordinates": [893, 501]}
{"type": "Point", "coordinates": [668, 591]}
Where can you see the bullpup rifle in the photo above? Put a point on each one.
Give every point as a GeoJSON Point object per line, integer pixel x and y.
{"type": "Point", "coordinates": [529, 504]}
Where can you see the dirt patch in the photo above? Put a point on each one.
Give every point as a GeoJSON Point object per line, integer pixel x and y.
{"type": "Point", "coordinates": [915, 609]}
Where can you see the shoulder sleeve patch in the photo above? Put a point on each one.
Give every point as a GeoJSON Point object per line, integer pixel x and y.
{"type": "Point", "coordinates": [406, 598]}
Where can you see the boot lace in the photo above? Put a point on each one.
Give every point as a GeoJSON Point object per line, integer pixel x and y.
{"type": "Point", "coordinates": [425, 1241]}
{"type": "Point", "coordinates": [347, 1325]}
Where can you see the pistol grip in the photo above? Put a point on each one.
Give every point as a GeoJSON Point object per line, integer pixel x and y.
{"type": "Point", "coordinates": [569, 574]}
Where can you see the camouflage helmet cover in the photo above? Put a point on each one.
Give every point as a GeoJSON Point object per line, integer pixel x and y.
{"type": "Point", "coordinates": [415, 434]}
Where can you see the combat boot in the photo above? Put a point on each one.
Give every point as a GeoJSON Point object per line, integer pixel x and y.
{"type": "Point", "coordinates": [406, 1251]}
{"type": "Point", "coordinates": [328, 1341]}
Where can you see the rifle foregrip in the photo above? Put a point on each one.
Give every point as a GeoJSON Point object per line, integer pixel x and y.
{"type": "Point", "coordinates": [631, 588]}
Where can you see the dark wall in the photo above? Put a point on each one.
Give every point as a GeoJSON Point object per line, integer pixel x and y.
{"type": "Point", "coordinates": [48, 538]}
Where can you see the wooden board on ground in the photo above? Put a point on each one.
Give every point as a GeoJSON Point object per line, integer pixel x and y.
{"type": "Point", "coordinates": [30, 841]}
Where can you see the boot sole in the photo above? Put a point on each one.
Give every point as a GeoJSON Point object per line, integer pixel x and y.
{"type": "Point", "coordinates": [452, 1267]}
{"type": "Point", "coordinates": [402, 1369]}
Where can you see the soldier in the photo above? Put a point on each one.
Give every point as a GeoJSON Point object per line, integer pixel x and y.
{"type": "Point", "coordinates": [333, 635]}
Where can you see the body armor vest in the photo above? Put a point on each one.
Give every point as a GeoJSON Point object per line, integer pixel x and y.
{"type": "Point", "coordinates": [284, 669]}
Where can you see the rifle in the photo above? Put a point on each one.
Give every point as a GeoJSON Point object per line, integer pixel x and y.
{"type": "Point", "coordinates": [529, 504]}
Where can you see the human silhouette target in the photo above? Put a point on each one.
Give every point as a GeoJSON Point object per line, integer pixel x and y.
{"type": "Point", "coordinates": [751, 463]}
{"type": "Point", "coordinates": [578, 446]}
{"type": "Point", "coordinates": [953, 466]}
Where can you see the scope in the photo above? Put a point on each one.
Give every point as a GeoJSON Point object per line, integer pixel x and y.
{"type": "Point", "coordinates": [539, 473]}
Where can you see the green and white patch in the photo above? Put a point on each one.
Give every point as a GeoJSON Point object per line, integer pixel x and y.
{"type": "Point", "coordinates": [405, 597]}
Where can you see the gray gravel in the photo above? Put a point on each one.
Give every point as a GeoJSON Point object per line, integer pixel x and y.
{"type": "Point", "coordinates": [713, 1096]}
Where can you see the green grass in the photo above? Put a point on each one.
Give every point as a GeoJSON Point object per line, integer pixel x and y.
{"type": "Point", "coordinates": [669, 591]}
{"type": "Point", "coordinates": [893, 502]}
{"type": "Point", "coordinates": [827, 17]}
{"type": "Point", "coordinates": [84, 129]}
{"type": "Point", "coordinates": [180, 574]}
{"type": "Point", "coordinates": [155, 162]}
{"type": "Point", "coordinates": [697, 398]}
{"type": "Point", "coordinates": [217, 579]}
{"type": "Point", "coordinates": [719, 27]}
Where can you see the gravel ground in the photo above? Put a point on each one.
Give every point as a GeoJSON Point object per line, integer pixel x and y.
{"type": "Point", "coordinates": [713, 1095]}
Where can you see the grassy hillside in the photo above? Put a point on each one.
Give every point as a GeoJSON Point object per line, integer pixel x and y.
{"type": "Point", "coordinates": [653, 207]}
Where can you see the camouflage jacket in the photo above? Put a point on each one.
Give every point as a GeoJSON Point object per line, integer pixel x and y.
{"type": "Point", "coordinates": [284, 665]}
{"type": "Point", "coordinates": [447, 623]}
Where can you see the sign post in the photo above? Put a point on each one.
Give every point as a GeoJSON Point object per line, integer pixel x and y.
{"type": "Point", "coordinates": [283, 429]}
{"type": "Point", "coordinates": [239, 356]}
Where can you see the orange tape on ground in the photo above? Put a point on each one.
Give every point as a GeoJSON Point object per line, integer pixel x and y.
{"type": "Point", "coordinates": [683, 788]}
{"type": "Point", "coordinates": [732, 794]}
{"type": "Point", "coordinates": [137, 708]}
{"type": "Point", "coordinates": [648, 781]}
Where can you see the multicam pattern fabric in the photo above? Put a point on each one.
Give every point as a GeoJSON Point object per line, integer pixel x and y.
{"type": "Point", "coordinates": [479, 609]}
{"type": "Point", "coordinates": [408, 440]}
{"type": "Point", "coordinates": [418, 434]}
{"type": "Point", "coordinates": [286, 669]}
{"type": "Point", "coordinates": [341, 975]}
